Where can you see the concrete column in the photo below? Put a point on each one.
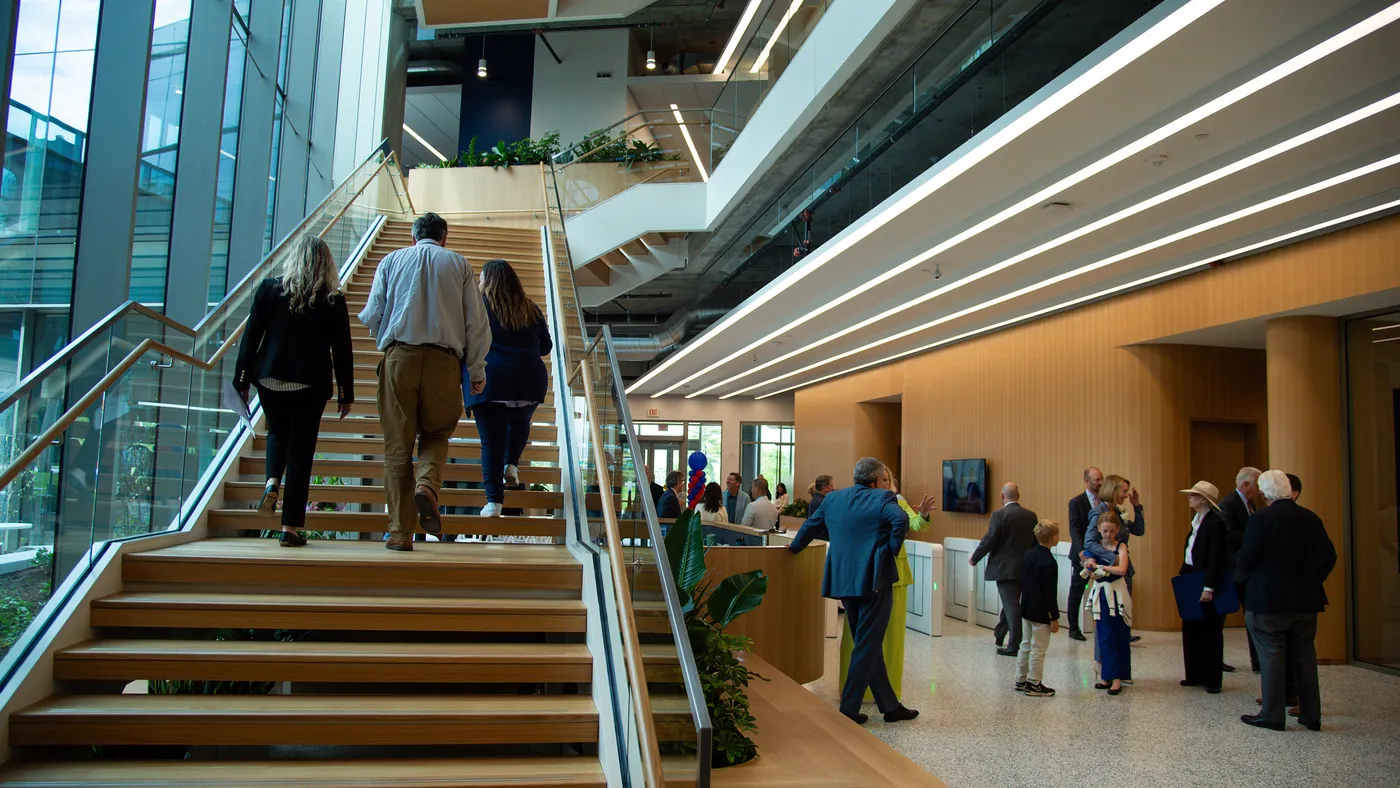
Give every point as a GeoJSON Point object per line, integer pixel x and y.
{"type": "Point", "coordinates": [1306, 429]}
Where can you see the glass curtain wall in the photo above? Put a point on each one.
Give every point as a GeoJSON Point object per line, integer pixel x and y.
{"type": "Point", "coordinates": [1373, 390]}
{"type": "Point", "coordinates": [228, 153]}
{"type": "Point", "coordinates": [767, 450]}
{"type": "Point", "coordinates": [279, 109]}
{"type": "Point", "coordinates": [160, 140]}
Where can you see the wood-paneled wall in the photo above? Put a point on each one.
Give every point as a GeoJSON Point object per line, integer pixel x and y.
{"type": "Point", "coordinates": [1044, 400]}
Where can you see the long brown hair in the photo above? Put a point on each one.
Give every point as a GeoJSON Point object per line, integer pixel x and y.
{"type": "Point", "coordinates": [503, 293]}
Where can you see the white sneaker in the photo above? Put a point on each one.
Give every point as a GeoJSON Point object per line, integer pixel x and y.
{"type": "Point", "coordinates": [491, 510]}
{"type": "Point", "coordinates": [512, 475]}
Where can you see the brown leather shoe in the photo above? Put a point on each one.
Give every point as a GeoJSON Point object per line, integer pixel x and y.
{"type": "Point", "coordinates": [400, 543]}
{"type": "Point", "coordinates": [429, 515]}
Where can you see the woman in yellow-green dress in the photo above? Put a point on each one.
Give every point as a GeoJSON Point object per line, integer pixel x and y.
{"type": "Point", "coordinates": [893, 646]}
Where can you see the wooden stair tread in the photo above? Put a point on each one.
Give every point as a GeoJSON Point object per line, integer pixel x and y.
{"type": "Point", "coordinates": [504, 606]}
{"type": "Point", "coordinates": [373, 493]}
{"type": "Point", "coordinates": [377, 522]}
{"type": "Point", "coordinates": [515, 706]}
{"type": "Point", "coordinates": [540, 772]}
{"type": "Point", "coordinates": [323, 651]}
{"type": "Point", "coordinates": [460, 448]}
{"type": "Point", "coordinates": [266, 551]}
{"type": "Point", "coordinates": [374, 469]}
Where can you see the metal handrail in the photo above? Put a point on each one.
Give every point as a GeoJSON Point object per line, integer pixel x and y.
{"type": "Point", "coordinates": [134, 307]}
{"type": "Point", "coordinates": [110, 379]}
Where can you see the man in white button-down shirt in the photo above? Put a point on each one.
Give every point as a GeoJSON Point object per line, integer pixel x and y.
{"type": "Point", "coordinates": [426, 314]}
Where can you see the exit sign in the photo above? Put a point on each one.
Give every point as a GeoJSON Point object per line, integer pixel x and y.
{"type": "Point", "coordinates": [653, 412]}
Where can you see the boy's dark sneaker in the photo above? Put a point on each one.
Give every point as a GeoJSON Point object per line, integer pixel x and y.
{"type": "Point", "coordinates": [1021, 686]}
{"type": "Point", "coordinates": [1039, 691]}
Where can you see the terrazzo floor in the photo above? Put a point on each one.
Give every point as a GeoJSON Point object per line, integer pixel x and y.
{"type": "Point", "coordinates": [975, 730]}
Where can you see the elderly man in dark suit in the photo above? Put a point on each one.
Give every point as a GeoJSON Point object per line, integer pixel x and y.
{"type": "Point", "coordinates": [1235, 510]}
{"type": "Point", "coordinates": [1010, 534]}
{"type": "Point", "coordinates": [1079, 508]}
{"type": "Point", "coordinates": [1285, 558]}
{"type": "Point", "coordinates": [670, 504]}
{"type": "Point", "coordinates": [865, 527]}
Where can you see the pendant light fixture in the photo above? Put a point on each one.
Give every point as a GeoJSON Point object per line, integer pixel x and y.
{"type": "Point", "coordinates": [651, 51]}
{"type": "Point", "coordinates": [481, 64]}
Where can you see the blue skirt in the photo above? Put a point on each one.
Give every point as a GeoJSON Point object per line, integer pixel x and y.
{"type": "Point", "coordinates": [1111, 641]}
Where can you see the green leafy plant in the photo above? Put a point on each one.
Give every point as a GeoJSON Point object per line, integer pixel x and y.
{"type": "Point", "coordinates": [525, 151]}
{"type": "Point", "coordinates": [797, 508]}
{"type": "Point", "coordinates": [711, 604]}
{"type": "Point", "coordinates": [604, 146]}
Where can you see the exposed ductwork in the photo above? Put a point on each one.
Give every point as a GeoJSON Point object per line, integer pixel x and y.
{"type": "Point", "coordinates": [667, 336]}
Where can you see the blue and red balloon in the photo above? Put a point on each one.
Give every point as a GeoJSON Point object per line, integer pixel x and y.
{"type": "Point", "coordinates": [697, 462]}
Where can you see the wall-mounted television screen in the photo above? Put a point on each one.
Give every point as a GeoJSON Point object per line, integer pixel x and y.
{"type": "Point", "coordinates": [965, 486]}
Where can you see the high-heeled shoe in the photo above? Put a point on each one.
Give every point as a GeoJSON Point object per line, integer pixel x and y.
{"type": "Point", "coordinates": [290, 539]}
{"type": "Point", "coordinates": [268, 505]}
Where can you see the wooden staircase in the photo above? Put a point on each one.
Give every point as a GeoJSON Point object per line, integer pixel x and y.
{"type": "Point", "coordinates": [459, 663]}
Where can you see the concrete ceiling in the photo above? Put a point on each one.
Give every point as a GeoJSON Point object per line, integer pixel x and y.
{"type": "Point", "coordinates": [435, 114]}
{"type": "Point", "coordinates": [1034, 257]}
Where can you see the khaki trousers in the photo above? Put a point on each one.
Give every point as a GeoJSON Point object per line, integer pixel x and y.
{"type": "Point", "coordinates": [420, 399]}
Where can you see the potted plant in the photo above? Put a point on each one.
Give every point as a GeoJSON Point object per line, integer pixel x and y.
{"type": "Point", "coordinates": [711, 604]}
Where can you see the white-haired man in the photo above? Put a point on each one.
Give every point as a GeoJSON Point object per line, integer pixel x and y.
{"type": "Point", "coordinates": [1285, 558]}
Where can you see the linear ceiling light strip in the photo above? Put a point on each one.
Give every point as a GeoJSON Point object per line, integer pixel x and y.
{"type": "Point", "coordinates": [1015, 128]}
{"type": "Point", "coordinates": [421, 141]}
{"type": "Point", "coordinates": [690, 143]}
{"type": "Point", "coordinates": [737, 36]}
{"type": "Point", "coordinates": [1351, 118]}
{"type": "Point", "coordinates": [1270, 77]}
{"type": "Point", "coordinates": [1274, 241]}
{"type": "Point", "coordinates": [773, 39]}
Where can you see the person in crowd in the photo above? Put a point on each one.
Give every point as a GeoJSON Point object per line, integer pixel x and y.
{"type": "Point", "coordinates": [516, 379]}
{"type": "Point", "coordinates": [1202, 641]}
{"type": "Point", "coordinates": [1235, 509]}
{"type": "Point", "coordinates": [1284, 561]}
{"type": "Point", "coordinates": [298, 334]}
{"type": "Point", "coordinates": [892, 645]}
{"type": "Point", "coordinates": [761, 512]}
{"type": "Point", "coordinates": [427, 316]}
{"type": "Point", "coordinates": [671, 500]}
{"type": "Point", "coordinates": [711, 506]}
{"type": "Point", "coordinates": [1120, 494]}
{"type": "Point", "coordinates": [1079, 508]}
{"type": "Point", "coordinates": [1040, 610]}
{"type": "Point", "coordinates": [736, 501]}
{"type": "Point", "coordinates": [655, 489]}
{"type": "Point", "coordinates": [780, 497]}
{"type": "Point", "coordinates": [817, 492]}
{"type": "Point", "coordinates": [864, 526]}
{"type": "Point", "coordinates": [1112, 603]}
{"type": "Point", "coordinates": [1010, 533]}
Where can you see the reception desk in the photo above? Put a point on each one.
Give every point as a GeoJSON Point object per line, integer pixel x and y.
{"type": "Point", "coordinates": [788, 629]}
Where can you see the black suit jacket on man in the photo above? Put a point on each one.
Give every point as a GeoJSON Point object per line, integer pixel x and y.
{"type": "Point", "coordinates": [1235, 515]}
{"type": "Point", "coordinates": [1010, 534]}
{"type": "Point", "coordinates": [670, 505]}
{"type": "Point", "coordinates": [815, 503]}
{"type": "Point", "coordinates": [1079, 508]}
{"type": "Point", "coordinates": [1286, 556]}
{"type": "Point", "coordinates": [297, 347]}
{"type": "Point", "coordinates": [1208, 551]}
{"type": "Point", "coordinates": [1039, 586]}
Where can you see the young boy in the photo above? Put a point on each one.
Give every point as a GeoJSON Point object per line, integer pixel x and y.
{"type": "Point", "coordinates": [1040, 612]}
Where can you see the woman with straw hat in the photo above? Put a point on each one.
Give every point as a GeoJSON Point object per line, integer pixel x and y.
{"type": "Point", "coordinates": [1202, 641]}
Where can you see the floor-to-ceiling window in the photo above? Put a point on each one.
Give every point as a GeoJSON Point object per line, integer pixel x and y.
{"type": "Point", "coordinates": [667, 445]}
{"type": "Point", "coordinates": [767, 450]}
{"type": "Point", "coordinates": [1373, 389]}
{"type": "Point", "coordinates": [160, 140]}
{"type": "Point", "coordinates": [228, 153]}
{"type": "Point", "coordinates": [279, 109]}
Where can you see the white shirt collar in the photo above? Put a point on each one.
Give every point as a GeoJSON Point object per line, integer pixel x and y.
{"type": "Point", "coordinates": [1010, 503]}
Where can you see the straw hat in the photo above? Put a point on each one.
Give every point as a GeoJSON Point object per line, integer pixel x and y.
{"type": "Point", "coordinates": [1205, 490]}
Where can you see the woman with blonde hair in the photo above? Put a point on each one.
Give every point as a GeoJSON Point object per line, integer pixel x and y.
{"type": "Point", "coordinates": [298, 334]}
{"type": "Point", "coordinates": [893, 645]}
{"type": "Point", "coordinates": [1118, 494]}
{"type": "Point", "coordinates": [516, 380]}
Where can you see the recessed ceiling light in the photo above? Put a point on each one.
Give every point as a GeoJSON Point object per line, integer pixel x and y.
{"type": "Point", "coordinates": [1078, 87]}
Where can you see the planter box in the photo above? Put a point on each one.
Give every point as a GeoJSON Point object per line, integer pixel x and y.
{"type": "Point", "coordinates": [503, 197]}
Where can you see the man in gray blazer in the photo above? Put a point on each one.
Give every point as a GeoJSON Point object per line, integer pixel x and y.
{"type": "Point", "coordinates": [1010, 534]}
{"type": "Point", "coordinates": [865, 527]}
{"type": "Point", "coordinates": [736, 501]}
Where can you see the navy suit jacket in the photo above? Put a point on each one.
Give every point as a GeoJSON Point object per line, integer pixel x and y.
{"type": "Point", "coordinates": [669, 505]}
{"type": "Point", "coordinates": [865, 527]}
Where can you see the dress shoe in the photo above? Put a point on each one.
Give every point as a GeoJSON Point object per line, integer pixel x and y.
{"type": "Point", "coordinates": [1290, 702]}
{"type": "Point", "coordinates": [1134, 638]}
{"type": "Point", "coordinates": [1295, 711]}
{"type": "Point", "coordinates": [1310, 725]}
{"type": "Point", "coordinates": [401, 543]}
{"type": "Point", "coordinates": [1260, 722]}
{"type": "Point", "coordinates": [1186, 683]}
{"type": "Point", "coordinates": [901, 714]}
{"type": "Point", "coordinates": [429, 517]}
{"type": "Point", "coordinates": [858, 718]}
{"type": "Point", "coordinates": [1007, 652]}
{"type": "Point", "coordinates": [1075, 634]}
{"type": "Point", "coordinates": [268, 505]}
{"type": "Point", "coordinates": [1212, 690]}
{"type": "Point", "coordinates": [1227, 667]}
{"type": "Point", "coordinates": [290, 539]}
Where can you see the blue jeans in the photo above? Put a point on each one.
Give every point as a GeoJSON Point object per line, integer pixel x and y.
{"type": "Point", "coordinates": [504, 432]}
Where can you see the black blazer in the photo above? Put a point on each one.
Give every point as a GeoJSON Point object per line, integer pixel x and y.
{"type": "Point", "coordinates": [1010, 534]}
{"type": "Point", "coordinates": [297, 348]}
{"type": "Point", "coordinates": [1235, 515]}
{"type": "Point", "coordinates": [1039, 591]}
{"type": "Point", "coordinates": [669, 505]}
{"type": "Point", "coordinates": [1208, 553]}
{"type": "Point", "coordinates": [816, 501]}
{"type": "Point", "coordinates": [1286, 556]}
{"type": "Point", "coordinates": [1078, 525]}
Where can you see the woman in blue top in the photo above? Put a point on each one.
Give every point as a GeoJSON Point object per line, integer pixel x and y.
{"type": "Point", "coordinates": [516, 380]}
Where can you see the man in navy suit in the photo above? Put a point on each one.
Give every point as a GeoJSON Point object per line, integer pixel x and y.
{"type": "Point", "coordinates": [670, 503]}
{"type": "Point", "coordinates": [865, 527]}
{"type": "Point", "coordinates": [1079, 508]}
